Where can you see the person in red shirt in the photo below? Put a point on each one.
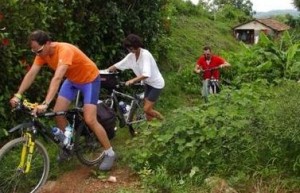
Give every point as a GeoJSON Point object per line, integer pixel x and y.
{"type": "Point", "coordinates": [209, 64]}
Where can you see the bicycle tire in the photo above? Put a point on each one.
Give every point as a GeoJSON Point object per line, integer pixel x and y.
{"type": "Point", "coordinates": [13, 179]}
{"type": "Point", "coordinates": [88, 149]}
{"type": "Point", "coordinates": [135, 118]}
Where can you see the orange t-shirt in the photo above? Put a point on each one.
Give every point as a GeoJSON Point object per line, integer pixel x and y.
{"type": "Point", "coordinates": [81, 69]}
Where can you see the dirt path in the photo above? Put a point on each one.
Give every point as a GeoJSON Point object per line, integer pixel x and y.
{"type": "Point", "coordinates": [85, 180]}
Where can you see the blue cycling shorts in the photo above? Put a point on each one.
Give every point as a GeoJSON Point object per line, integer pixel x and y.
{"type": "Point", "coordinates": [89, 91]}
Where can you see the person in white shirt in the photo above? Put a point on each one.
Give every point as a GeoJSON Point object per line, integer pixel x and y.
{"type": "Point", "coordinates": [144, 66]}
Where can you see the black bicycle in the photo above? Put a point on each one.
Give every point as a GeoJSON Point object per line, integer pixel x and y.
{"type": "Point", "coordinates": [134, 114]}
{"type": "Point", "coordinates": [24, 161]}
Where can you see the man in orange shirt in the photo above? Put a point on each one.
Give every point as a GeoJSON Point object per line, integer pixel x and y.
{"type": "Point", "coordinates": [81, 74]}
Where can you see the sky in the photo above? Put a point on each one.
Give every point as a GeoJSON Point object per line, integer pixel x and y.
{"type": "Point", "coordinates": [268, 5]}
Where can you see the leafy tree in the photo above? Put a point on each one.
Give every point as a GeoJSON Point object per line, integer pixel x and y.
{"type": "Point", "coordinates": [297, 4]}
{"type": "Point", "coordinates": [243, 5]}
{"type": "Point", "coordinates": [97, 27]}
{"type": "Point", "coordinates": [232, 14]}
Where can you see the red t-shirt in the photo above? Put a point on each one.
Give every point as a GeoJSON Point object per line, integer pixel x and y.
{"type": "Point", "coordinates": [215, 61]}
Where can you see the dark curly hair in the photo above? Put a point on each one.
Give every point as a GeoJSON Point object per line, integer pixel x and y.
{"type": "Point", "coordinates": [133, 41]}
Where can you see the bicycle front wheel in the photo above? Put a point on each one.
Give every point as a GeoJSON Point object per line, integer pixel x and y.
{"type": "Point", "coordinates": [135, 118]}
{"type": "Point", "coordinates": [13, 178]}
{"type": "Point", "coordinates": [88, 149]}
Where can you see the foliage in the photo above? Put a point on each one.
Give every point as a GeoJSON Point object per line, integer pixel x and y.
{"type": "Point", "coordinates": [246, 123]}
{"type": "Point", "coordinates": [243, 5]}
{"type": "Point", "coordinates": [233, 14]}
{"type": "Point", "coordinates": [189, 35]}
{"type": "Point", "coordinates": [180, 7]}
{"type": "Point", "coordinates": [210, 139]}
{"type": "Point", "coordinates": [297, 4]}
{"type": "Point", "coordinates": [97, 27]}
{"type": "Point", "coordinates": [268, 59]}
{"type": "Point", "coordinates": [247, 131]}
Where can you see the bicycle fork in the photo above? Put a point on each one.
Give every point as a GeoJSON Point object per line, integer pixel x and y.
{"type": "Point", "coordinates": [26, 154]}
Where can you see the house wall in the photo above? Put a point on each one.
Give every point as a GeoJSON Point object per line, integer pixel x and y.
{"type": "Point", "coordinates": [249, 32]}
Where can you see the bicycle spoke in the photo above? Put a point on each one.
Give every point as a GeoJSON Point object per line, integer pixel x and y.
{"type": "Point", "coordinates": [136, 119]}
{"type": "Point", "coordinates": [88, 149]}
{"type": "Point", "coordinates": [14, 179]}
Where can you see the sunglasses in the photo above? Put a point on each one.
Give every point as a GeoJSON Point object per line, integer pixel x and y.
{"type": "Point", "coordinates": [39, 50]}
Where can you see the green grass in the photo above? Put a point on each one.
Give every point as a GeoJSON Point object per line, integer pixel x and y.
{"type": "Point", "coordinates": [188, 37]}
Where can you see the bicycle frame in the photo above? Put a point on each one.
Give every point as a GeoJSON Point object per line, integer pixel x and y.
{"type": "Point", "coordinates": [136, 113]}
{"type": "Point", "coordinates": [32, 129]}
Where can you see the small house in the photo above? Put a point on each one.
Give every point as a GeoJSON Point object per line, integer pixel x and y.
{"type": "Point", "coordinates": [249, 32]}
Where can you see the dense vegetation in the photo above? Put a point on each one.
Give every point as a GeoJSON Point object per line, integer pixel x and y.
{"type": "Point", "coordinates": [248, 134]}
{"type": "Point", "coordinates": [97, 27]}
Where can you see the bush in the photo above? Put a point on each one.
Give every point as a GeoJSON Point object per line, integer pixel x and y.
{"type": "Point", "coordinates": [97, 27]}
{"type": "Point", "coordinates": [240, 133]}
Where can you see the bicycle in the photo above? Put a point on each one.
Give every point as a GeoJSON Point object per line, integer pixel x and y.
{"type": "Point", "coordinates": [211, 85]}
{"type": "Point", "coordinates": [135, 114]}
{"type": "Point", "coordinates": [24, 161]}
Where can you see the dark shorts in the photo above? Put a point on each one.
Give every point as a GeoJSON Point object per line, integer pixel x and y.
{"type": "Point", "coordinates": [90, 91]}
{"type": "Point", "coordinates": [152, 93]}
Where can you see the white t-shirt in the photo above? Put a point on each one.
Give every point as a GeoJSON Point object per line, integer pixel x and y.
{"type": "Point", "coordinates": [145, 66]}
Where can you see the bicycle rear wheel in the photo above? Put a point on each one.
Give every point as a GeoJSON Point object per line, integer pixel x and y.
{"type": "Point", "coordinates": [88, 149]}
{"type": "Point", "coordinates": [13, 178]}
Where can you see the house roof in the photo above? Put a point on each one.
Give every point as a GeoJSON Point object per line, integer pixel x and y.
{"type": "Point", "coordinates": [274, 24]}
{"type": "Point", "coordinates": [271, 23]}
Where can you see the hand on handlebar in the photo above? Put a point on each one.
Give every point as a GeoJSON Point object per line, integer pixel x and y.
{"type": "Point", "coordinates": [197, 71]}
{"type": "Point", "coordinates": [129, 82]}
{"type": "Point", "coordinates": [14, 101]}
{"type": "Point", "coordinates": [41, 108]}
{"type": "Point", "coordinates": [34, 108]}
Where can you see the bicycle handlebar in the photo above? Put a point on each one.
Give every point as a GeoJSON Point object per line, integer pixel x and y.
{"type": "Point", "coordinates": [106, 71]}
{"type": "Point", "coordinates": [210, 69]}
{"type": "Point", "coordinates": [27, 107]}
{"type": "Point", "coordinates": [122, 83]}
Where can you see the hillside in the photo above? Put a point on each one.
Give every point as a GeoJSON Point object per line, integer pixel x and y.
{"type": "Point", "coordinates": [292, 12]}
{"type": "Point", "coordinates": [190, 34]}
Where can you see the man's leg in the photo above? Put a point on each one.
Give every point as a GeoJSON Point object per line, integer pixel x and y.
{"type": "Point", "coordinates": [90, 117]}
{"type": "Point", "coordinates": [205, 90]}
{"type": "Point", "coordinates": [61, 104]}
